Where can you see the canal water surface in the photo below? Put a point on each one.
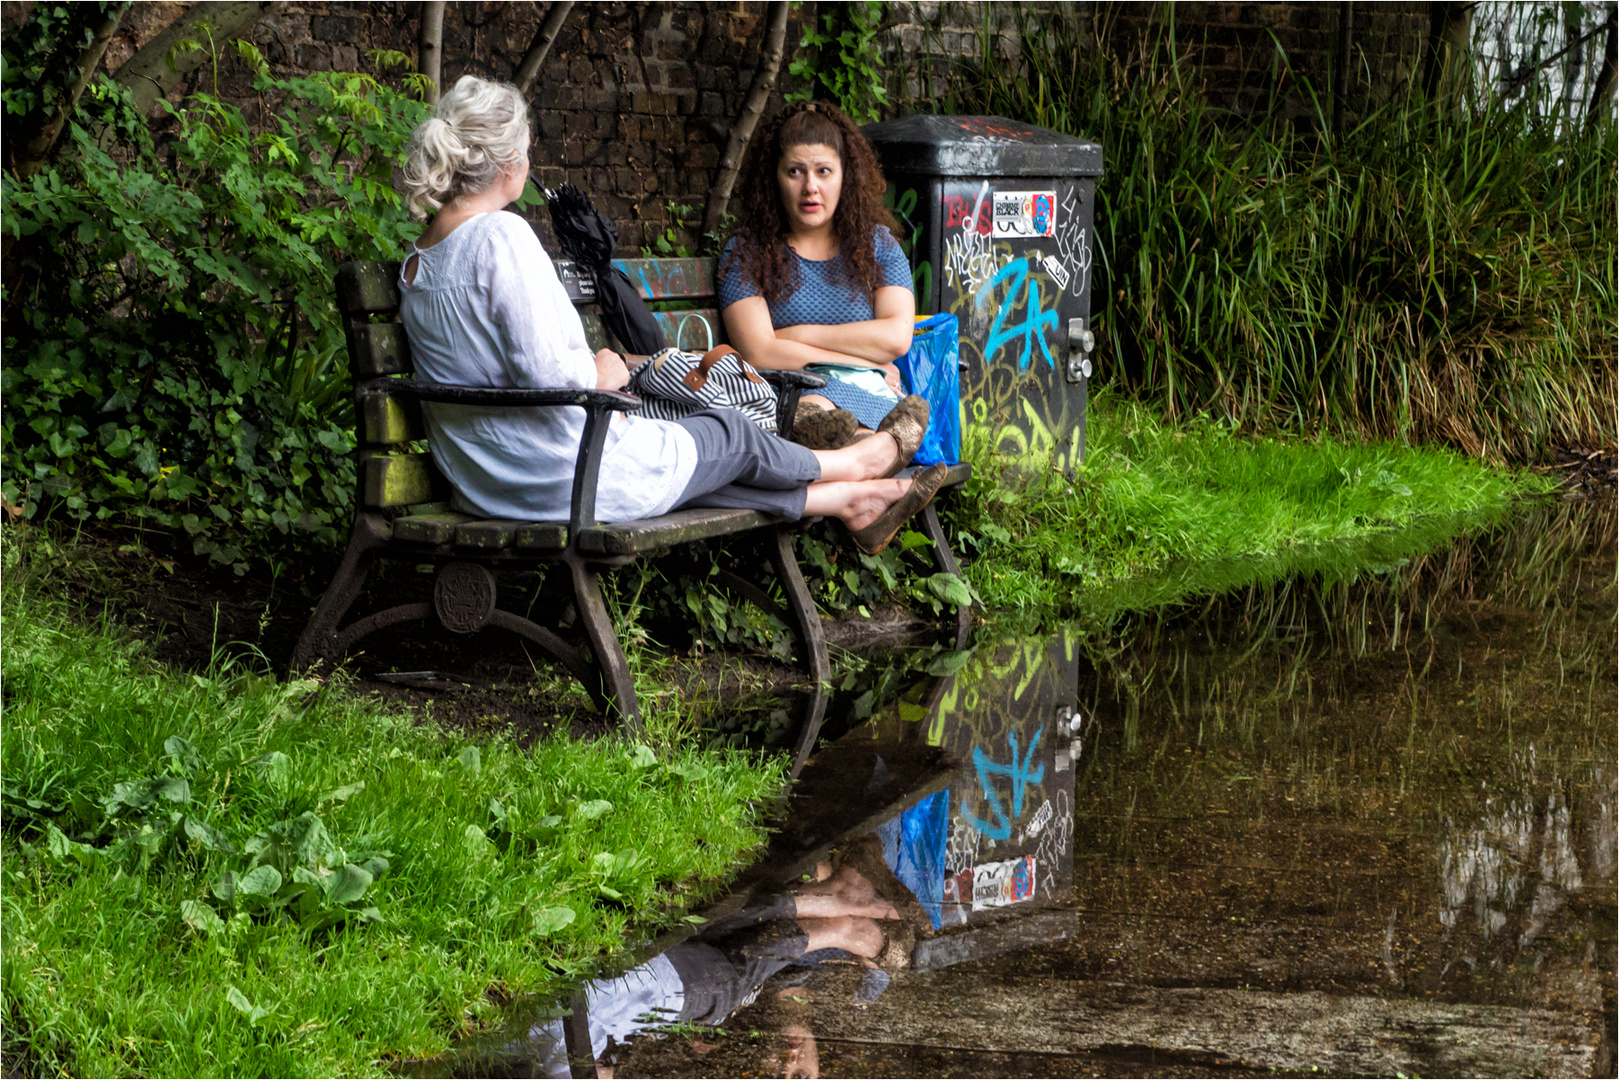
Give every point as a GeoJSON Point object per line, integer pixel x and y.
{"type": "Point", "coordinates": [1356, 821]}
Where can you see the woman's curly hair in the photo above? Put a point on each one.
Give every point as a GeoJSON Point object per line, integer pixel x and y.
{"type": "Point", "coordinates": [761, 253]}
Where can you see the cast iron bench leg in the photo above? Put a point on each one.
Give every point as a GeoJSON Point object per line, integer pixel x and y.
{"type": "Point", "coordinates": [945, 560]}
{"type": "Point", "coordinates": [319, 639]}
{"type": "Point", "coordinates": [617, 686]}
{"type": "Point", "coordinates": [806, 620]}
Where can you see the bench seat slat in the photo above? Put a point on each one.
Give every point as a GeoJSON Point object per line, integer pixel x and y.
{"type": "Point", "coordinates": [680, 527]}
{"type": "Point", "coordinates": [434, 528]}
{"type": "Point", "coordinates": [499, 534]}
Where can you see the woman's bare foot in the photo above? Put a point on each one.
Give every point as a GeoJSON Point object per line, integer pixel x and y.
{"type": "Point", "coordinates": [855, 503]}
{"type": "Point", "coordinates": [865, 459]}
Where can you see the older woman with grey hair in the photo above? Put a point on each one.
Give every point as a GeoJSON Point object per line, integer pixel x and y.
{"type": "Point", "coordinates": [483, 306]}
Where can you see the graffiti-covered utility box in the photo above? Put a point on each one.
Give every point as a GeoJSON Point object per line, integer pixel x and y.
{"type": "Point", "coordinates": [998, 219]}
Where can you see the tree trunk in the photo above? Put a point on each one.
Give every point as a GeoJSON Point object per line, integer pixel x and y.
{"type": "Point", "coordinates": [1602, 93]}
{"type": "Point", "coordinates": [430, 46]}
{"type": "Point", "coordinates": [764, 81]}
{"type": "Point", "coordinates": [528, 72]}
{"type": "Point", "coordinates": [37, 150]}
{"type": "Point", "coordinates": [1450, 39]}
{"type": "Point", "coordinates": [1346, 39]}
{"type": "Point", "coordinates": [151, 73]}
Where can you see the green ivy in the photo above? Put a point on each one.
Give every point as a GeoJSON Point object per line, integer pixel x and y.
{"type": "Point", "coordinates": [845, 59]}
{"type": "Point", "coordinates": [173, 352]}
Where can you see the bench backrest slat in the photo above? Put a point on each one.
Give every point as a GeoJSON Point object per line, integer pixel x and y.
{"type": "Point", "coordinates": [378, 349]}
{"type": "Point", "coordinates": [368, 288]}
{"type": "Point", "coordinates": [402, 480]}
{"type": "Point", "coordinates": [387, 419]}
{"type": "Point", "coordinates": [697, 330]}
{"type": "Point", "coordinates": [655, 279]}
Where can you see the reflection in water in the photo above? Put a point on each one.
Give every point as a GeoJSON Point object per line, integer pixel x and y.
{"type": "Point", "coordinates": [1361, 822]}
{"type": "Point", "coordinates": [936, 832]}
{"type": "Point", "coordinates": [1523, 858]}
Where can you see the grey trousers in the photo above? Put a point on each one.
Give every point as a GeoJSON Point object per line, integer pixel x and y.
{"type": "Point", "coordinates": [741, 467]}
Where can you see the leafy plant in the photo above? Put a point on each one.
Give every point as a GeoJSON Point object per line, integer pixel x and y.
{"type": "Point", "coordinates": [1425, 274]}
{"type": "Point", "coordinates": [667, 242]}
{"type": "Point", "coordinates": [845, 59]}
{"type": "Point", "coordinates": [174, 353]}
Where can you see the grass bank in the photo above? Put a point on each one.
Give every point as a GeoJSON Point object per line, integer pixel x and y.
{"type": "Point", "coordinates": [1162, 510]}
{"type": "Point", "coordinates": [217, 874]}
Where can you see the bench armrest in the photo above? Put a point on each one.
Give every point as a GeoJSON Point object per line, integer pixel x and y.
{"type": "Point", "coordinates": [789, 386]}
{"type": "Point", "coordinates": [596, 403]}
{"type": "Point", "coordinates": [605, 400]}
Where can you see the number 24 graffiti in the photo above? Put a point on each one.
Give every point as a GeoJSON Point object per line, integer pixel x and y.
{"type": "Point", "coordinates": [1021, 778]}
{"type": "Point", "coordinates": [1036, 320]}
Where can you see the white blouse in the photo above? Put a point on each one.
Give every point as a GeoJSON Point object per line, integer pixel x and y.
{"type": "Point", "coordinates": [487, 309]}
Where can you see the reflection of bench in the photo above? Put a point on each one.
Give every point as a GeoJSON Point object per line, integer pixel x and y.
{"type": "Point", "coordinates": [401, 509]}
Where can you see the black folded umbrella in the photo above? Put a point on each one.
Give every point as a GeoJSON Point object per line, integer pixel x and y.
{"type": "Point", "coordinates": [589, 239]}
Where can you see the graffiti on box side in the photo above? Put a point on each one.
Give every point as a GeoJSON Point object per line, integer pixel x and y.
{"type": "Point", "coordinates": [1018, 771]}
{"type": "Point", "coordinates": [1021, 316]}
{"type": "Point", "coordinates": [969, 256]}
{"type": "Point", "coordinates": [663, 279]}
{"type": "Point", "coordinates": [909, 236]}
{"type": "Point", "coordinates": [1073, 247]}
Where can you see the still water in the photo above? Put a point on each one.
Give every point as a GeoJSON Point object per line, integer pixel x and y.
{"type": "Point", "coordinates": [1359, 821]}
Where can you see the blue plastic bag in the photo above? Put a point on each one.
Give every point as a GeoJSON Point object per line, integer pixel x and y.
{"type": "Point", "coordinates": [932, 369]}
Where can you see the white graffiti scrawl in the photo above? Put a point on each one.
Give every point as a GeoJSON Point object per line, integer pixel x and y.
{"type": "Point", "coordinates": [1074, 247]}
{"type": "Point", "coordinates": [969, 257]}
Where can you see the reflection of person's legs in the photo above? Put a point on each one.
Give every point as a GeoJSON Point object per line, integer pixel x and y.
{"type": "Point", "coordinates": [851, 933]}
{"type": "Point", "coordinates": [846, 893]}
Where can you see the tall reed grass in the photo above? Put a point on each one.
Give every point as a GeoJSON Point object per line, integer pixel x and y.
{"type": "Point", "coordinates": [1429, 273]}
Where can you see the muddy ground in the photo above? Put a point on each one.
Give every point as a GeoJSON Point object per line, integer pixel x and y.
{"type": "Point", "coordinates": [194, 613]}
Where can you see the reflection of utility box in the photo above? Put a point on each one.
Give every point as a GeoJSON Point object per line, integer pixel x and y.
{"type": "Point", "coordinates": [1010, 721]}
{"type": "Point", "coordinates": [998, 217]}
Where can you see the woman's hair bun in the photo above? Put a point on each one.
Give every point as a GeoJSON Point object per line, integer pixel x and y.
{"type": "Point", "coordinates": [477, 130]}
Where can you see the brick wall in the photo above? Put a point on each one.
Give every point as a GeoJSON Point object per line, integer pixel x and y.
{"type": "Point", "coordinates": [635, 101]}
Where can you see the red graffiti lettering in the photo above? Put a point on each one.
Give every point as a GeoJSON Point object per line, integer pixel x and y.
{"type": "Point", "coordinates": [958, 209]}
{"type": "Point", "coordinates": [980, 125]}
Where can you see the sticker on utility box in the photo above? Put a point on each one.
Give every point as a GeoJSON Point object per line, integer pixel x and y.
{"type": "Point", "coordinates": [1025, 215]}
{"type": "Point", "coordinates": [998, 884]}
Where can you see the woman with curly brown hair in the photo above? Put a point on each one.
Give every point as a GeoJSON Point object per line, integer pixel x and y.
{"type": "Point", "coordinates": [814, 279]}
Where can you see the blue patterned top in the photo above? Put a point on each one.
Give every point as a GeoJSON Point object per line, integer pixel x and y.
{"type": "Point", "coordinates": [823, 297]}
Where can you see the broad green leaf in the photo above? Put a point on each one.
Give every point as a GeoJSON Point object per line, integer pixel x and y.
{"type": "Point", "coordinates": [183, 754]}
{"type": "Point", "coordinates": [275, 767]}
{"type": "Point", "coordinates": [593, 809]}
{"type": "Point", "coordinates": [225, 887]}
{"type": "Point", "coordinates": [475, 841]}
{"type": "Point", "coordinates": [205, 835]}
{"type": "Point", "coordinates": [547, 921]}
{"type": "Point", "coordinates": [910, 540]}
{"type": "Point", "coordinates": [641, 756]}
{"type": "Point", "coordinates": [347, 884]}
{"type": "Point", "coordinates": [201, 918]}
{"type": "Point", "coordinates": [344, 793]}
{"type": "Point", "coordinates": [471, 760]}
{"type": "Point", "coordinates": [241, 1004]}
{"type": "Point", "coordinates": [259, 881]}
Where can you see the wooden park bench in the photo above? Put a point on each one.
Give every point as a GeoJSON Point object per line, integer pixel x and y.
{"type": "Point", "coordinates": [402, 511]}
